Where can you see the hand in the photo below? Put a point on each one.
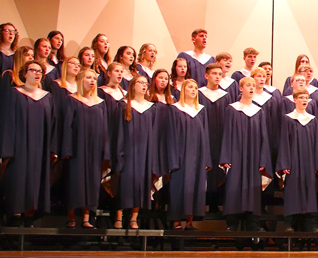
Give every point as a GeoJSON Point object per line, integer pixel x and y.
{"type": "Point", "coordinates": [286, 171]}
{"type": "Point", "coordinates": [261, 169]}
{"type": "Point", "coordinates": [226, 165]}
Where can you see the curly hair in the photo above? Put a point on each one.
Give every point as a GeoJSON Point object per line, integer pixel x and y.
{"type": "Point", "coordinates": [14, 44]}
{"type": "Point", "coordinates": [120, 52]}
{"type": "Point", "coordinates": [141, 54]}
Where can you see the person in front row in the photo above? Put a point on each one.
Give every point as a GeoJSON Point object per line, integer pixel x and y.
{"type": "Point", "coordinates": [297, 165]}
{"type": "Point", "coordinates": [245, 156]}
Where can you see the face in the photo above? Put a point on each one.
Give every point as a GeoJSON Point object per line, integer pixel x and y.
{"type": "Point", "coordinates": [150, 53]}
{"type": "Point", "coordinates": [250, 60]}
{"type": "Point", "coordinates": [190, 91]}
{"type": "Point", "coordinates": [307, 73]}
{"type": "Point", "coordinates": [200, 40]}
{"type": "Point", "coordinates": [141, 86]}
{"type": "Point", "coordinates": [128, 57]}
{"type": "Point", "coordinates": [304, 61]}
{"type": "Point", "coordinates": [181, 68]}
{"type": "Point", "coordinates": [260, 80]}
{"type": "Point", "coordinates": [301, 101]}
{"type": "Point", "coordinates": [226, 64]}
{"type": "Point", "coordinates": [73, 66]}
{"type": "Point", "coordinates": [56, 41]}
{"type": "Point", "coordinates": [34, 74]}
{"type": "Point", "coordinates": [102, 45]}
{"type": "Point", "coordinates": [88, 57]}
{"type": "Point", "coordinates": [8, 34]}
{"type": "Point", "coordinates": [116, 75]}
{"type": "Point", "coordinates": [161, 81]}
{"type": "Point", "coordinates": [28, 56]}
{"type": "Point", "coordinates": [268, 70]}
{"type": "Point", "coordinates": [214, 76]}
{"type": "Point", "coordinates": [299, 82]}
{"type": "Point", "coordinates": [44, 49]}
{"type": "Point", "coordinates": [90, 81]}
{"type": "Point", "coordinates": [248, 89]}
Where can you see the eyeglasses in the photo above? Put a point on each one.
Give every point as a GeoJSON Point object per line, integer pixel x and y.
{"type": "Point", "coordinates": [143, 83]}
{"type": "Point", "coordinates": [75, 64]}
{"type": "Point", "coordinates": [34, 70]}
{"type": "Point", "coordinates": [307, 71]}
{"type": "Point", "coordinates": [300, 80]}
{"type": "Point", "coordinates": [303, 98]}
{"type": "Point", "coordinates": [10, 31]}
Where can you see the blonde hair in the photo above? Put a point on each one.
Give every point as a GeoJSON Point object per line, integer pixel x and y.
{"type": "Point", "coordinates": [245, 80]}
{"type": "Point", "coordinates": [257, 70]}
{"type": "Point", "coordinates": [64, 71]}
{"type": "Point", "coordinates": [141, 54]}
{"type": "Point", "coordinates": [80, 85]}
{"type": "Point", "coordinates": [182, 93]}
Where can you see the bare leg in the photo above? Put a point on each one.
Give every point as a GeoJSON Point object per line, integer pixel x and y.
{"type": "Point", "coordinates": [86, 223]}
{"type": "Point", "coordinates": [133, 220]}
{"type": "Point", "coordinates": [119, 220]}
{"type": "Point", "coordinates": [71, 219]}
{"type": "Point", "coordinates": [177, 224]}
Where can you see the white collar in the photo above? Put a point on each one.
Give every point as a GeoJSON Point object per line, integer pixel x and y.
{"type": "Point", "coordinates": [178, 84]}
{"type": "Point", "coordinates": [116, 94]}
{"type": "Point", "coordinates": [161, 99]}
{"type": "Point", "coordinates": [127, 75]}
{"type": "Point", "coordinates": [303, 118]}
{"type": "Point", "coordinates": [311, 89]}
{"type": "Point", "coordinates": [245, 72]}
{"type": "Point", "coordinates": [49, 68]}
{"type": "Point", "coordinates": [291, 98]}
{"type": "Point", "coordinates": [270, 88]}
{"type": "Point", "coordinates": [262, 98]}
{"type": "Point", "coordinates": [226, 82]}
{"type": "Point", "coordinates": [141, 107]}
{"type": "Point", "coordinates": [187, 109]}
{"type": "Point", "coordinates": [212, 95]}
{"type": "Point", "coordinates": [54, 59]}
{"type": "Point", "coordinates": [249, 110]}
{"type": "Point", "coordinates": [147, 70]}
{"type": "Point", "coordinates": [202, 59]}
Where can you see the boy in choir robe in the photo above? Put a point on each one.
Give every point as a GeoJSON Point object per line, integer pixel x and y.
{"type": "Point", "coordinates": [267, 66]}
{"type": "Point", "coordinates": [288, 105]}
{"type": "Point", "coordinates": [297, 165]}
{"type": "Point", "coordinates": [215, 101]}
{"type": "Point", "coordinates": [196, 58]}
{"type": "Point", "coordinates": [228, 84]}
{"type": "Point", "coordinates": [245, 156]}
{"type": "Point", "coordinates": [249, 57]}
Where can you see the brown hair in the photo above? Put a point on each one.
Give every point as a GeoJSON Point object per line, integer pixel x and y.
{"type": "Point", "coordinates": [14, 44]}
{"type": "Point", "coordinates": [97, 66]}
{"type": "Point", "coordinates": [292, 79]}
{"type": "Point", "coordinates": [298, 92]}
{"type": "Point", "coordinates": [153, 88]}
{"type": "Point", "coordinates": [174, 74]}
{"type": "Point", "coordinates": [60, 52]}
{"type": "Point", "coordinates": [25, 67]}
{"type": "Point", "coordinates": [249, 51]}
{"type": "Point", "coordinates": [197, 31]}
{"type": "Point", "coordinates": [298, 60]}
{"type": "Point", "coordinates": [36, 47]}
{"type": "Point", "coordinates": [110, 68]}
{"type": "Point", "coordinates": [209, 67]}
{"type": "Point", "coordinates": [133, 67]}
{"type": "Point", "coordinates": [223, 55]}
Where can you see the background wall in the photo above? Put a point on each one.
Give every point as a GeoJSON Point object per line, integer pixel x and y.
{"type": "Point", "coordinates": [232, 26]}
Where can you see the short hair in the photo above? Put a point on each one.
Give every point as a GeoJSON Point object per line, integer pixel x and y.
{"type": "Point", "coordinates": [141, 54]}
{"type": "Point", "coordinates": [197, 31]}
{"type": "Point", "coordinates": [249, 51]}
{"type": "Point", "coordinates": [245, 80]}
{"type": "Point", "coordinates": [298, 92]}
{"type": "Point", "coordinates": [25, 67]}
{"type": "Point", "coordinates": [223, 55]}
{"type": "Point", "coordinates": [306, 66]}
{"type": "Point", "coordinates": [14, 44]}
{"type": "Point", "coordinates": [182, 95]}
{"type": "Point", "coordinates": [257, 70]}
{"type": "Point", "coordinates": [264, 63]}
{"type": "Point", "coordinates": [293, 78]}
{"type": "Point", "coordinates": [209, 67]}
{"type": "Point", "coordinates": [298, 60]}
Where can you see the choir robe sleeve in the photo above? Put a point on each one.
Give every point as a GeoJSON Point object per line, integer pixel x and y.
{"type": "Point", "coordinates": [286, 86]}
{"type": "Point", "coordinates": [53, 141]}
{"type": "Point", "coordinates": [68, 131]}
{"type": "Point", "coordinates": [106, 140]}
{"type": "Point", "coordinates": [120, 117]}
{"type": "Point", "coordinates": [207, 152]}
{"type": "Point", "coordinates": [227, 141]}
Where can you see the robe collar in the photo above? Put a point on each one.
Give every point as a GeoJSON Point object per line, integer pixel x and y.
{"type": "Point", "coordinates": [141, 107]}
{"type": "Point", "coordinates": [249, 110]}
{"type": "Point", "coordinates": [203, 58]}
{"type": "Point", "coordinates": [162, 100]}
{"type": "Point", "coordinates": [226, 82]}
{"type": "Point", "coordinates": [270, 88]}
{"type": "Point", "coordinates": [147, 70]}
{"type": "Point", "coordinates": [127, 75]}
{"type": "Point", "coordinates": [311, 89]}
{"type": "Point", "coordinates": [212, 95]}
{"type": "Point", "coordinates": [262, 98]}
{"type": "Point", "coordinates": [116, 94]}
{"type": "Point", "coordinates": [178, 84]}
{"type": "Point", "coordinates": [188, 110]}
{"type": "Point", "coordinates": [245, 72]}
{"type": "Point", "coordinates": [303, 118]}
{"type": "Point", "coordinates": [291, 98]}
{"type": "Point", "coordinates": [49, 69]}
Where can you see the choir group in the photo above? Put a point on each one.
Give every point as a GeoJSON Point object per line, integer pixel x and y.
{"type": "Point", "coordinates": [193, 136]}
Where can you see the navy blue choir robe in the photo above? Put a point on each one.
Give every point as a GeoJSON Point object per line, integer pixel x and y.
{"type": "Point", "coordinates": [28, 140]}
{"type": "Point", "coordinates": [231, 86]}
{"type": "Point", "coordinates": [57, 65]}
{"type": "Point", "coordinates": [135, 152]}
{"type": "Point", "coordinates": [273, 91]}
{"type": "Point", "coordinates": [215, 102]}
{"type": "Point", "coordinates": [127, 76]}
{"type": "Point", "coordinates": [111, 97]}
{"type": "Point", "coordinates": [238, 75]}
{"type": "Point", "coordinates": [188, 157]}
{"type": "Point", "coordinates": [197, 67]}
{"type": "Point", "coordinates": [287, 85]}
{"type": "Point", "coordinates": [86, 143]}
{"type": "Point", "coordinates": [175, 92]}
{"type": "Point", "coordinates": [313, 92]}
{"type": "Point", "coordinates": [298, 152]}
{"type": "Point", "coordinates": [288, 105]}
{"type": "Point", "coordinates": [6, 62]}
{"type": "Point", "coordinates": [5, 84]}
{"type": "Point", "coordinates": [102, 78]}
{"type": "Point", "coordinates": [245, 146]}
{"type": "Point", "coordinates": [145, 71]}
{"type": "Point", "coordinates": [51, 74]}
